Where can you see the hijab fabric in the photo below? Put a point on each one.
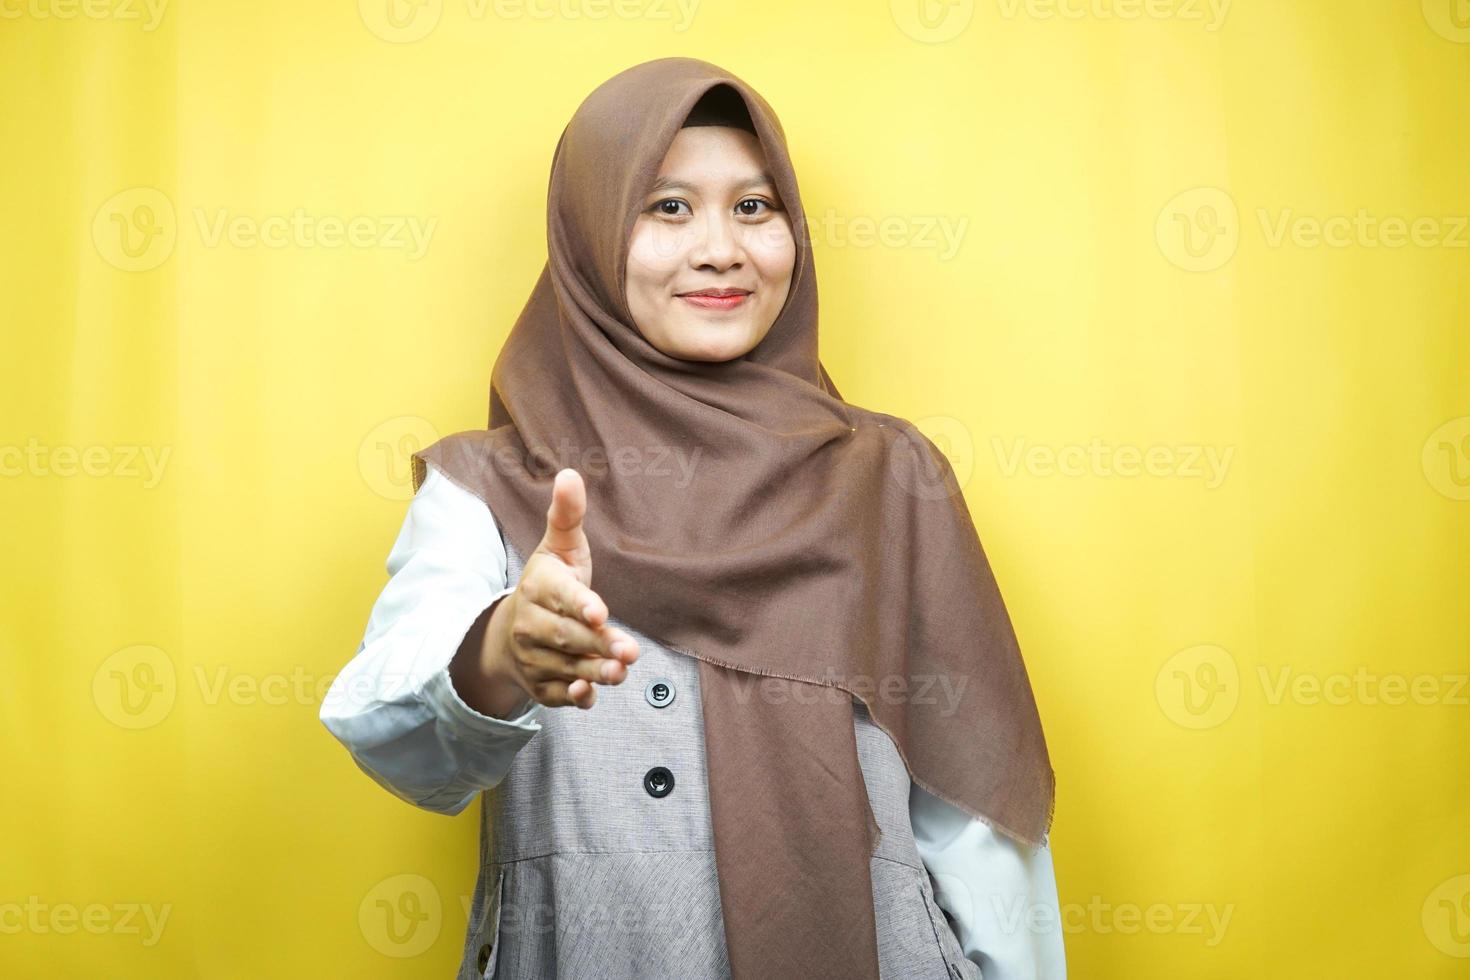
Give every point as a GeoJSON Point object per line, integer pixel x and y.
{"type": "Point", "coordinates": [813, 552]}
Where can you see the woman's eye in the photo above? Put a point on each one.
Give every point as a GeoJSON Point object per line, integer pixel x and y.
{"type": "Point", "coordinates": [741, 207]}
{"type": "Point", "coordinates": [662, 207]}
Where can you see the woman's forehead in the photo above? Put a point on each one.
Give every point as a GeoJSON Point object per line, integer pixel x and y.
{"type": "Point", "coordinates": [710, 156]}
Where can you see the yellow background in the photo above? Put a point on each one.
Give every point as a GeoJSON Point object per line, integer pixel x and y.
{"type": "Point", "coordinates": [1123, 283]}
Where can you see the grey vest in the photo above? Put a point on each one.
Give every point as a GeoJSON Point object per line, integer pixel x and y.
{"type": "Point", "coordinates": [597, 856]}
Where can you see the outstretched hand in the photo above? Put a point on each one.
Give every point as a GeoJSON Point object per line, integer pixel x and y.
{"type": "Point", "coordinates": [557, 641]}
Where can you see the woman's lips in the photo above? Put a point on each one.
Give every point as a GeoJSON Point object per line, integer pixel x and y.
{"type": "Point", "coordinates": [708, 302]}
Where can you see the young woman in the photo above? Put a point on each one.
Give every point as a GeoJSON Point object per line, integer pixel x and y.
{"type": "Point", "coordinates": [805, 743]}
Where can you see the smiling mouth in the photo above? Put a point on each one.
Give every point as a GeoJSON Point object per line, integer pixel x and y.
{"type": "Point", "coordinates": [716, 299]}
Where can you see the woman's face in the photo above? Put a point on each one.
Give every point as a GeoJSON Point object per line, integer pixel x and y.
{"type": "Point", "coordinates": [712, 223]}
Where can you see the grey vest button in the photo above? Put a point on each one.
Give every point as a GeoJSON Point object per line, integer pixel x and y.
{"type": "Point", "coordinates": [659, 782]}
{"type": "Point", "coordinates": [660, 692]}
{"type": "Point", "coordinates": [483, 960]}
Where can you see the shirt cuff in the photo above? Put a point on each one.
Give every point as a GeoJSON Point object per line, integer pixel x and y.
{"type": "Point", "coordinates": [449, 708]}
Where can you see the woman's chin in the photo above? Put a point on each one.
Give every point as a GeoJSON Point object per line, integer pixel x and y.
{"type": "Point", "coordinates": [723, 342]}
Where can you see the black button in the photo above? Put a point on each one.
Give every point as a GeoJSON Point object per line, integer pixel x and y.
{"type": "Point", "coordinates": [660, 692]}
{"type": "Point", "coordinates": [483, 960]}
{"type": "Point", "coordinates": [658, 781]}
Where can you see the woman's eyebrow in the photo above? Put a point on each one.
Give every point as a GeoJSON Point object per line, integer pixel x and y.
{"type": "Point", "coordinates": [676, 183]}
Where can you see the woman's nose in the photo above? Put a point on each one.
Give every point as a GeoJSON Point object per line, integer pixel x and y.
{"type": "Point", "coordinates": [717, 245]}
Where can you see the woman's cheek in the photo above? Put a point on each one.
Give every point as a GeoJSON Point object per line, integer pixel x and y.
{"type": "Point", "coordinates": [775, 250]}
{"type": "Point", "coordinates": [657, 249]}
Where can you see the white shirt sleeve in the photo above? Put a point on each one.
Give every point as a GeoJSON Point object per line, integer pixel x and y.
{"type": "Point", "coordinates": [396, 711]}
{"type": "Point", "coordinates": [393, 706]}
{"type": "Point", "coordinates": [1002, 900]}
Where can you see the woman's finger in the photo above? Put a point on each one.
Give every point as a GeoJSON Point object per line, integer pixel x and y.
{"type": "Point", "coordinates": [620, 644]}
{"type": "Point", "coordinates": [554, 586]}
{"type": "Point", "coordinates": [542, 664]}
{"type": "Point", "coordinates": [537, 626]}
{"type": "Point", "coordinates": [558, 694]}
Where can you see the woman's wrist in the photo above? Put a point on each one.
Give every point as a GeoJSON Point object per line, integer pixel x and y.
{"type": "Point", "coordinates": [477, 671]}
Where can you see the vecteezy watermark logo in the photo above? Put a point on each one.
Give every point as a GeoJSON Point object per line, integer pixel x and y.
{"type": "Point", "coordinates": [1446, 458]}
{"type": "Point", "coordinates": [401, 916]}
{"type": "Point", "coordinates": [1098, 459]}
{"type": "Point", "coordinates": [913, 465]}
{"type": "Point", "coordinates": [135, 687]}
{"type": "Point", "coordinates": [148, 12]}
{"type": "Point", "coordinates": [1198, 687]}
{"type": "Point", "coordinates": [951, 436]}
{"type": "Point", "coordinates": [939, 233]}
{"type": "Point", "coordinates": [138, 686]}
{"type": "Point", "coordinates": [400, 21]}
{"type": "Point", "coordinates": [39, 918]}
{"type": "Point", "coordinates": [1209, 12]}
{"type": "Point", "coordinates": [1201, 686]}
{"type": "Point", "coordinates": [135, 229]}
{"type": "Point", "coordinates": [37, 460]}
{"type": "Point", "coordinates": [935, 21]}
{"type": "Point", "coordinates": [406, 21]}
{"type": "Point", "coordinates": [651, 921]}
{"type": "Point", "coordinates": [1446, 916]}
{"type": "Point", "coordinates": [943, 690]}
{"type": "Point", "coordinates": [1450, 19]}
{"type": "Point", "coordinates": [1199, 229]}
{"type": "Point", "coordinates": [1361, 687]}
{"type": "Point", "coordinates": [932, 21]}
{"type": "Point", "coordinates": [383, 457]}
{"type": "Point", "coordinates": [393, 232]}
{"type": "Point", "coordinates": [1362, 229]}
{"type": "Point", "coordinates": [1017, 915]}
{"type": "Point", "coordinates": [542, 461]}
{"type": "Point", "coordinates": [1207, 920]}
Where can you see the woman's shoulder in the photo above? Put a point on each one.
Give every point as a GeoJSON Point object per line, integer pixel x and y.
{"type": "Point", "coordinates": [464, 451]}
{"type": "Point", "coordinates": [443, 502]}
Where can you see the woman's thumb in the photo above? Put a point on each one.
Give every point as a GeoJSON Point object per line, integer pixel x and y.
{"type": "Point", "coordinates": [564, 536]}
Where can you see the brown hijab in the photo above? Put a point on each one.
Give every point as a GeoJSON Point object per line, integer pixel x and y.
{"type": "Point", "coordinates": [816, 551]}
